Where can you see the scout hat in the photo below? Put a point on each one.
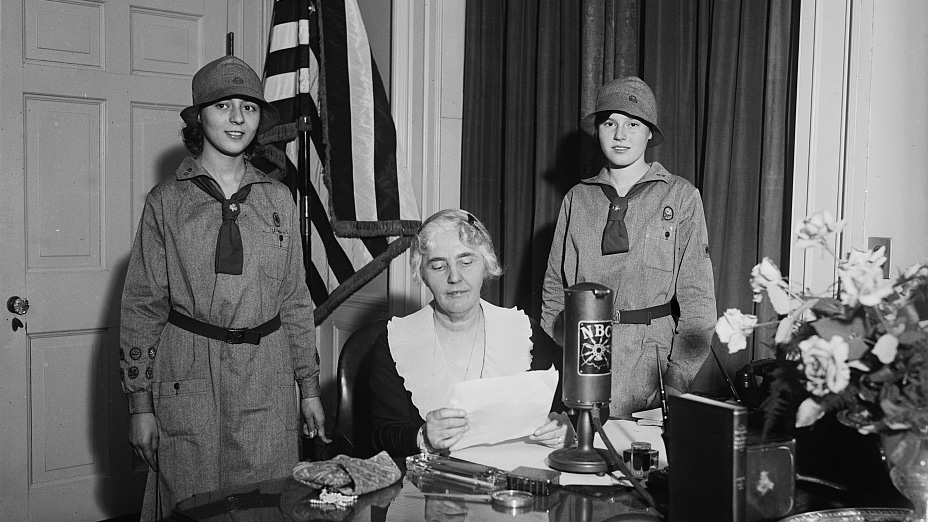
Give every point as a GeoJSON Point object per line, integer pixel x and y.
{"type": "Point", "coordinates": [229, 77]}
{"type": "Point", "coordinates": [628, 95]}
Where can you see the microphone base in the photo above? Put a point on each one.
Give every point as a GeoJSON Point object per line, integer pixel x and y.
{"type": "Point", "coordinates": [579, 460]}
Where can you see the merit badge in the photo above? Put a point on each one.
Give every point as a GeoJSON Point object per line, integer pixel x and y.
{"type": "Point", "coordinates": [668, 213]}
{"type": "Point", "coordinates": [276, 219]}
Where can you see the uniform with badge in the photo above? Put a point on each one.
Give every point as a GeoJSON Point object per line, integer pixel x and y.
{"type": "Point", "coordinates": [217, 321]}
{"type": "Point", "coordinates": [649, 246]}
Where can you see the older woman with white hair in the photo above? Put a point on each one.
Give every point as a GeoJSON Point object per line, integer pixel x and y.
{"type": "Point", "coordinates": [457, 337]}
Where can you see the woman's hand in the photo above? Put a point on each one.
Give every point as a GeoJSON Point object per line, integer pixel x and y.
{"type": "Point", "coordinates": [444, 427]}
{"type": "Point", "coordinates": [558, 432]}
{"type": "Point", "coordinates": [143, 436]}
{"type": "Point", "coordinates": [313, 418]}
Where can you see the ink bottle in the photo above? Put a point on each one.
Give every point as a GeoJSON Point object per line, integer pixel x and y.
{"type": "Point", "coordinates": [640, 459]}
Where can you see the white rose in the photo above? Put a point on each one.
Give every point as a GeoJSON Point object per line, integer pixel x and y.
{"type": "Point", "coordinates": [825, 365]}
{"type": "Point", "coordinates": [733, 329]}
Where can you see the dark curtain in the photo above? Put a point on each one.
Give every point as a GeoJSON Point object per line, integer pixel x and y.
{"type": "Point", "coordinates": [723, 75]}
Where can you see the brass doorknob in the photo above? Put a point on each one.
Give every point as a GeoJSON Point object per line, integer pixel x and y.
{"type": "Point", "coordinates": [17, 305]}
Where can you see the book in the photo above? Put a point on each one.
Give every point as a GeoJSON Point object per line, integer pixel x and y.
{"type": "Point", "coordinates": [707, 459]}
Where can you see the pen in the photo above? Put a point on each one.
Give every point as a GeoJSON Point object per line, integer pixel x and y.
{"type": "Point", "coordinates": [460, 478]}
{"type": "Point", "coordinates": [466, 497]}
{"type": "Point", "coordinates": [663, 392]}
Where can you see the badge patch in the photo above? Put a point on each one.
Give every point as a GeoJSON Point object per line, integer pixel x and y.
{"type": "Point", "coordinates": [667, 214]}
{"type": "Point", "coordinates": [276, 219]}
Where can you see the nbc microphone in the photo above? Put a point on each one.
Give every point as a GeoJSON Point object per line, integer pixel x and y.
{"type": "Point", "coordinates": [587, 374]}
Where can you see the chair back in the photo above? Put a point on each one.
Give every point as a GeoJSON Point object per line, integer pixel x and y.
{"type": "Point", "coordinates": [352, 432]}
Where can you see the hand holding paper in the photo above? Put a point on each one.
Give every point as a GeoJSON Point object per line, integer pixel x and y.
{"type": "Point", "coordinates": [504, 408]}
{"type": "Point", "coordinates": [445, 426]}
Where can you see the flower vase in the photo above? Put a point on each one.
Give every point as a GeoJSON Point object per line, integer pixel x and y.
{"type": "Point", "coordinates": [906, 454]}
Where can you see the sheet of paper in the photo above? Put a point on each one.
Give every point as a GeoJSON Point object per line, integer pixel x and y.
{"type": "Point", "coordinates": [504, 408]}
{"type": "Point", "coordinates": [653, 414]}
{"type": "Point", "coordinates": [653, 417]}
{"type": "Point", "coordinates": [512, 454]}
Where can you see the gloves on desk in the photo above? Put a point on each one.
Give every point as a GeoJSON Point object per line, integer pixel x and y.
{"type": "Point", "coordinates": [348, 475]}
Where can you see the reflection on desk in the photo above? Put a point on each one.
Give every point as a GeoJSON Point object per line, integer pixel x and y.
{"type": "Point", "coordinates": [286, 500]}
{"type": "Point", "coordinates": [584, 497]}
{"type": "Point", "coordinates": [589, 498]}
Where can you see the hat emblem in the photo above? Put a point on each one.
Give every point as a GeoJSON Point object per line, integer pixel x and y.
{"type": "Point", "coordinates": [238, 81]}
{"type": "Point", "coordinates": [632, 98]}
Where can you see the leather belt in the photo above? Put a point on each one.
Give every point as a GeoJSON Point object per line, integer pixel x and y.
{"type": "Point", "coordinates": [641, 316]}
{"type": "Point", "coordinates": [227, 335]}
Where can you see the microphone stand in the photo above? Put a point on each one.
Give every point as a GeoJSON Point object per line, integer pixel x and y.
{"type": "Point", "coordinates": [617, 460]}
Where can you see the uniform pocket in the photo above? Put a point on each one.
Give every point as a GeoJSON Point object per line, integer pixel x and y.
{"type": "Point", "coordinates": [274, 252]}
{"type": "Point", "coordinates": [285, 401]}
{"type": "Point", "coordinates": [181, 406]}
{"type": "Point", "coordinates": [660, 241]}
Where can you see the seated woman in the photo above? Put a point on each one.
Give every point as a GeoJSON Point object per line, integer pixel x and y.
{"type": "Point", "coordinates": [456, 337]}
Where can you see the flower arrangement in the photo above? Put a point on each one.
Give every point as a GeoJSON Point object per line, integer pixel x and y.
{"type": "Point", "coordinates": [863, 354]}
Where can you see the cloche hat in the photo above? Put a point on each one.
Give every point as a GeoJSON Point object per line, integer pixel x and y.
{"type": "Point", "coordinates": [628, 95]}
{"type": "Point", "coordinates": [229, 77]}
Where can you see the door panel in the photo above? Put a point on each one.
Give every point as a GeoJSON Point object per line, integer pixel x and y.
{"type": "Point", "coordinates": [90, 92]}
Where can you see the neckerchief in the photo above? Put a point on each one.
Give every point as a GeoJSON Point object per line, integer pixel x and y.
{"type": "Point", "coordinates": [229, 254]}
{"type": "Point", "coordinates": [615, 234]}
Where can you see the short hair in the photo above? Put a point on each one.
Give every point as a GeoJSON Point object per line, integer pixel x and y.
{"type": "Point", "coordinates": [471, 232]}
{"type": "Point", "coordinates": [193, 140]}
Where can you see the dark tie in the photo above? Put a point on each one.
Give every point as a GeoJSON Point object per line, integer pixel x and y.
{"type": "Point", "coordinates": [615, 235]}
{"type": "Point", "coordinates": [229, 256]}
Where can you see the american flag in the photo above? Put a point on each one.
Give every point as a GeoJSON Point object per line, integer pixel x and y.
{"type": "Point", "coordinates": [358, 206]}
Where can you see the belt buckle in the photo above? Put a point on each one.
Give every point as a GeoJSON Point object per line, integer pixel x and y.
{"type": "Point", "coordinates": [235, 335]}
{"type": "Point", "coordinates": [616, 316]}
{"type": "Point", "coordinates": [233, 503]}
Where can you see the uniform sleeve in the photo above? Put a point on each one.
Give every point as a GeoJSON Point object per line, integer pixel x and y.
{"type": "Point", "coordinates": [696, 295]}
{"type": "Point", "coordinates": [552, 292]}
{"type": "Point", "coordinates": [394, 418]}
{"type": "Point", "coordinates": [546, 352]}
{"type": "Point", "coordinates": [144, 308]}
{"type": "Point", "coordinates": [296, 315]}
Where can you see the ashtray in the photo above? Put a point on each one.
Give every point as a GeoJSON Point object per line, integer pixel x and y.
{"type": "Point", "coordinates": [512, 501]}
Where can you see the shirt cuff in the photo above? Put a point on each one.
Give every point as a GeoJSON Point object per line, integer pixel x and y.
{"type": "Point", "coordinates": [140, 402]}
{"type": "Point", "coordinates": [423, 443]}
{"type": "Point", "coordinates": [309, 388]}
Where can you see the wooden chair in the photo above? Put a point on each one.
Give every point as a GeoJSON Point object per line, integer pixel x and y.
{"type": "Point", "coordinates": [352, 432]}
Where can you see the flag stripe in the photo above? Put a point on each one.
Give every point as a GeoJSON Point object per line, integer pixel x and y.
{"type": "Point", "coordinates": [358, 199]}
{"type": "Point", "coordinates": [338, 111]}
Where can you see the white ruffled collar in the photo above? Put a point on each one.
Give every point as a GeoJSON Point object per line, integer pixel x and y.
{"type": "Point", "coordinates": [422, 365]}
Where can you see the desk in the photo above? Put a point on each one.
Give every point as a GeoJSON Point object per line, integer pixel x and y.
{"type": "Point", "coordinates": [285, 499]}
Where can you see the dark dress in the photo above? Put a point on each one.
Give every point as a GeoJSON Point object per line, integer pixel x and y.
{"type": "Point", "coordinates": [396, 419]}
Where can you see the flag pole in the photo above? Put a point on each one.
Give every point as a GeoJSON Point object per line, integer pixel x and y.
{"type": "Point", "coordinates": [303, 127]}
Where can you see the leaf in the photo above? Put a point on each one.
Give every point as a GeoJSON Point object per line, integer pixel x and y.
{"type": "Point", "coordinates": [828, 307]}
{"type": "Point", "coordinates": [779, 299]}
{"type": "Point", "coordinates": [853, 332]}
{"type": "Point", "coordinates": [784, 330]}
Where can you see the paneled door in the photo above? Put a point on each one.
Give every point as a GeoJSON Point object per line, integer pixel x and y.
{"type": "Point", "coordinates": [90, 92]}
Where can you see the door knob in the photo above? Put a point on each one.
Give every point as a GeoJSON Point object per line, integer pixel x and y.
{"type": "Point", "coordinates": [17, 305]}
